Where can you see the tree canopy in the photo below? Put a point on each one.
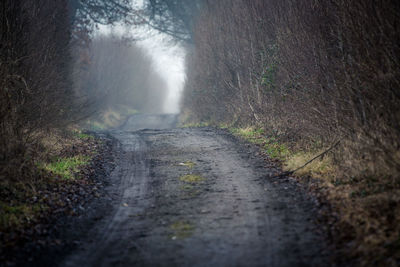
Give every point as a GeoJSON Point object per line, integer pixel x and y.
{"type": "Point", "coordinates": [172, 17]}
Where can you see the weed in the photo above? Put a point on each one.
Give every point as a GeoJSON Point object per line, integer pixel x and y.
{"type": "Point", "coordinates": [181, 229]}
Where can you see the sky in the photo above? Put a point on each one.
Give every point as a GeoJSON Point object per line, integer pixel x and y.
{"type": "Point", "coordinates": [168, 61]}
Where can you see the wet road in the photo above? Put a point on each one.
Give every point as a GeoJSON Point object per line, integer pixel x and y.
{"type": "Point", "coordinates": [197, 197]}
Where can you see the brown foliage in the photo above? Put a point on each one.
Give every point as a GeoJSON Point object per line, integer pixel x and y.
{"type": "Point", "coordinates": [312, 73]}
{"type": "Point", "coordinates": [307, 71]}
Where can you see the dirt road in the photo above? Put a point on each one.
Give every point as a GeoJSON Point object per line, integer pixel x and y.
{"type": "Point", "coordinates": [197, 197]}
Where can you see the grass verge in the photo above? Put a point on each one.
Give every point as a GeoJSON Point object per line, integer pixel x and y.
{"type": "Point", "coordinates": [269, 144]}
{"type": "Point", "coordinates": [65, 167]}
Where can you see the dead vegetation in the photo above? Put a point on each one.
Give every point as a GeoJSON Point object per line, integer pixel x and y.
{"type": "Point", "coordinates": [310, 74]}
{"type": "Point", "coordinates": [44, 162]}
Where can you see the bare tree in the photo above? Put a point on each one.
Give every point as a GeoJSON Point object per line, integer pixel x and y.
{"type": "Point", "coordinates": [307, 72]}
{"type": "Point", "coordinates": [34, 77]}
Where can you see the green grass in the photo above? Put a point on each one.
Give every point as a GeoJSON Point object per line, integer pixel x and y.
{"type": "Point", "coordinates": [66, 167]}
{"type": "Point", "coordinates": [84, 136]}
{"type": "Point", "coordinates": [277, 150]}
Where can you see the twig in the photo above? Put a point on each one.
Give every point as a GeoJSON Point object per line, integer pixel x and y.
{"type": "Point", "coordinates": [286, 173]}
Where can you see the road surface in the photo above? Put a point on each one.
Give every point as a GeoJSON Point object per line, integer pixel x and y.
{"type": "Point", "coordinates": [197, 197]}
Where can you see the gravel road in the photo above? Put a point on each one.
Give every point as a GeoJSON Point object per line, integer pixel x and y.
{"type": "Point", "coordinates": [197, 197]}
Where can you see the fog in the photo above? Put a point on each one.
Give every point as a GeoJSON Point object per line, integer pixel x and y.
{"type": "Point", "coordinates": [167, 62]}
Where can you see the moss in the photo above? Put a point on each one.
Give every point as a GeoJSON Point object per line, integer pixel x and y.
{"type": "Point", "coordinates": [181, 229]}
{"type": "Point", "coordinates": [191, 178]}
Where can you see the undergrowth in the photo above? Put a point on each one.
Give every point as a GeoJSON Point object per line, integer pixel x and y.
{"type": "Point", "coordinates": [24, 203]}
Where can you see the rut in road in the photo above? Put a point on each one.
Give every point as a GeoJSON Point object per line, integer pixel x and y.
{"type": "Point", "coordinates": [227, 213]}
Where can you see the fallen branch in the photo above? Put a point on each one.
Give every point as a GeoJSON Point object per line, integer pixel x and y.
{"type": "Point", "coordinates": [286, 173]}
